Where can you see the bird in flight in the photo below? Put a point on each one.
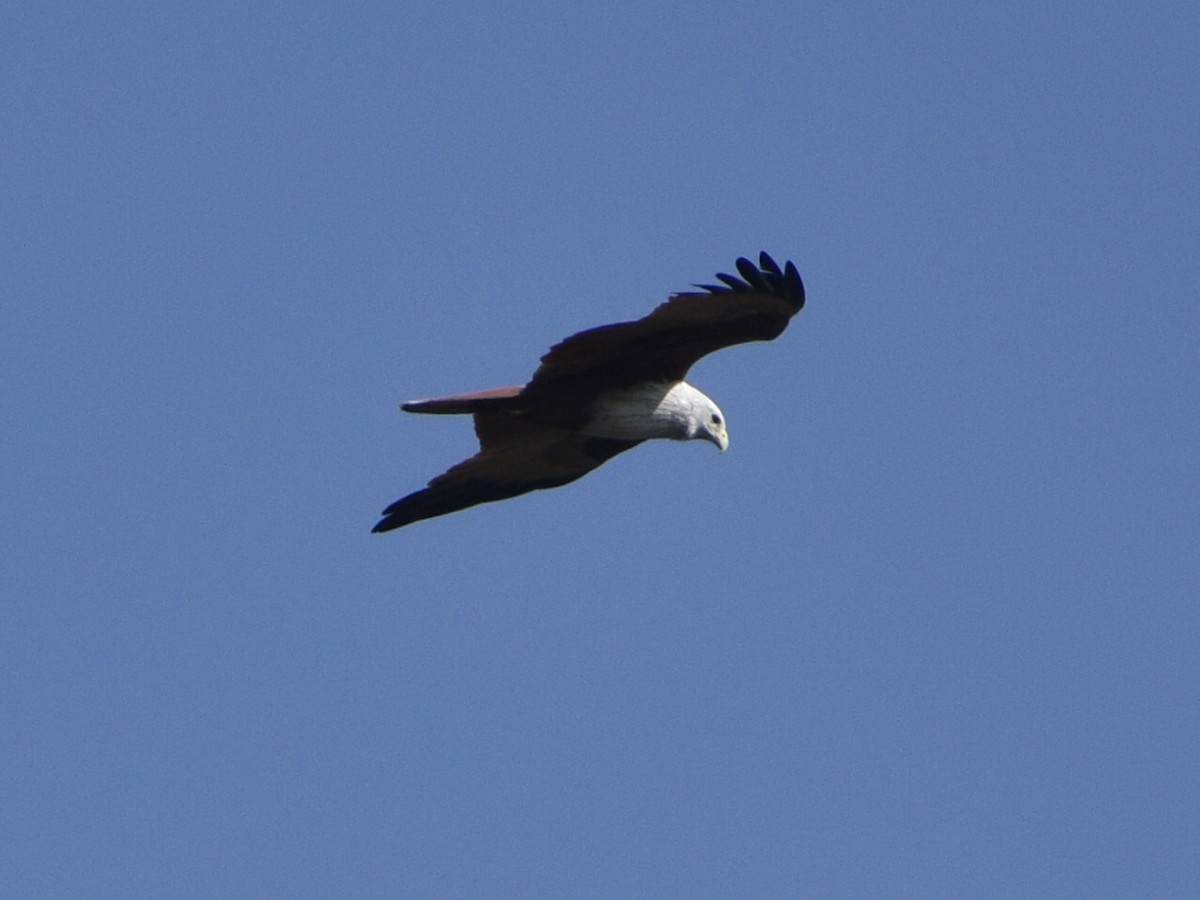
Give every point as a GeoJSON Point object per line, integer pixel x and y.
{"type": "Point", "coordinates": [603, 391]}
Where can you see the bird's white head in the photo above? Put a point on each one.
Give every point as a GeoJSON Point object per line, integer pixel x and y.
{"type": "Point", "coordinates": [651, 410]}
{"type": "Point", "coordinates": [705, 421]}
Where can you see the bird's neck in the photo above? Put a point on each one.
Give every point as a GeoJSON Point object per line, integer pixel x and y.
{"type": "Point", "coordinates": [646, 411]}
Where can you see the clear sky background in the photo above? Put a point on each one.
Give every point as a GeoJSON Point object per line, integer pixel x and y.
{"type": "Point", "coordinates": [930, 627]}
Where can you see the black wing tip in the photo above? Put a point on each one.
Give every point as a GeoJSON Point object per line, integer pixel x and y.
{"type": "Point", "coordinates": [766, 278]}
{"type": "Point", "coordinates": [397, 514]}
{"type": "Point", "coordinates": [392, 521]}
{"type": "Point", "coordinates": [389, 522]}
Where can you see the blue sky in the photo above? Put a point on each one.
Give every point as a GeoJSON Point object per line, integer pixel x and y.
{"type": "Point", "coordinates": [929, 628]}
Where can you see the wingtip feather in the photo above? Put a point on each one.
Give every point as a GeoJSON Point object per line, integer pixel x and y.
{"type": "Point", "coordinates": [768, 265]}
{"type": "Point", "coordinates": [767, 277]}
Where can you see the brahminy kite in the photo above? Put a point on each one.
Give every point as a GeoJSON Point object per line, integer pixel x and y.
{"type": "Point", "coordinates": [603, 391]}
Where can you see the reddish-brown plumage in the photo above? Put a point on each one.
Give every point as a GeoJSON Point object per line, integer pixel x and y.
{"type": "Point", "coordinates": [463, 403]}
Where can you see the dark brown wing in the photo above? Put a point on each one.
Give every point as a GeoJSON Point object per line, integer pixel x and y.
{"type": "Point", "coordinates": [664, 345]}
{"type": "Point", "coordinates": [516, 456]}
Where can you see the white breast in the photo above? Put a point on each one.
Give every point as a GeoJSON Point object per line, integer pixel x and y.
{"type": "Point", "coordinates": [645, 411]}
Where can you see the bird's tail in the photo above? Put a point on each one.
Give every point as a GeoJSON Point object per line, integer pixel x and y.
{"type": "Point", "coordinates": [480, 401]}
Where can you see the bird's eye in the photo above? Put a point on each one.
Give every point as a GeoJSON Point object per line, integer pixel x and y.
{"type": "Point", "coordinates": [716, 420]}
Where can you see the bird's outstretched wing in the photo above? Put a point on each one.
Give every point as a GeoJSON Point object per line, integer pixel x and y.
{"type": "Point", "coordinates": [515, 457]}
{"type": "Point", "coordinates": [664, 345]}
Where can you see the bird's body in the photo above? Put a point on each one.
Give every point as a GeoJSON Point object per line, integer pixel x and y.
{"type": "Point", "coordinates": [604, 391]}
